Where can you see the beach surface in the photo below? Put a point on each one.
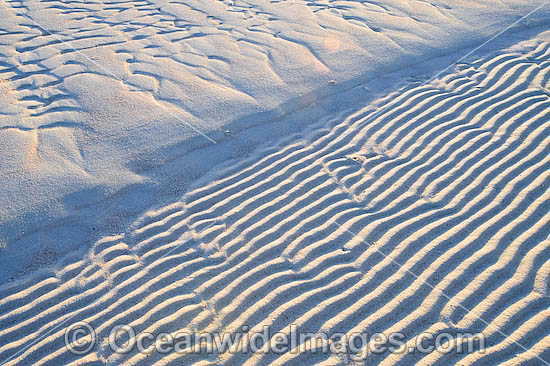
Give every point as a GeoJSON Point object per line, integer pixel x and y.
{"type": "Point", "coordinates": [338, 166]}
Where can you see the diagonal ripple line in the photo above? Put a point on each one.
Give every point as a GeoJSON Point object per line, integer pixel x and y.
{"type": "Point", "coordinates": [179, 245]}
{"type": "Point", "coordinates": [468, 311]}
{"type": "Point", "coordinates": [73, 316]}
{"type": "Point", "coordinates": [495, 36]}
{"type": "Point", "coordinates": [487, 41]}
{"type": "Point", "coordinates": [66, 42]}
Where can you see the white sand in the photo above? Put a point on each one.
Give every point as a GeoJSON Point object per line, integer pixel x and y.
{"type": "Point", "coordinates": [375, 203]}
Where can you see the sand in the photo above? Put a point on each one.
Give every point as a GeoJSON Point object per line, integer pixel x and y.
{"type": "Point", "coordinates": [209, 165]}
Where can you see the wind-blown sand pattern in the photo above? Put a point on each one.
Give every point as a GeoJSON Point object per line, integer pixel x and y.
{"type": "Point", "coordinates": [98, 98]}
{"type": "Point", "coordinates": [427, 210]}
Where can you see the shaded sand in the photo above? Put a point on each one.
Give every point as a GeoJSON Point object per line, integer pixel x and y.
{"type": "Point", "coordinates": [427, 210]}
